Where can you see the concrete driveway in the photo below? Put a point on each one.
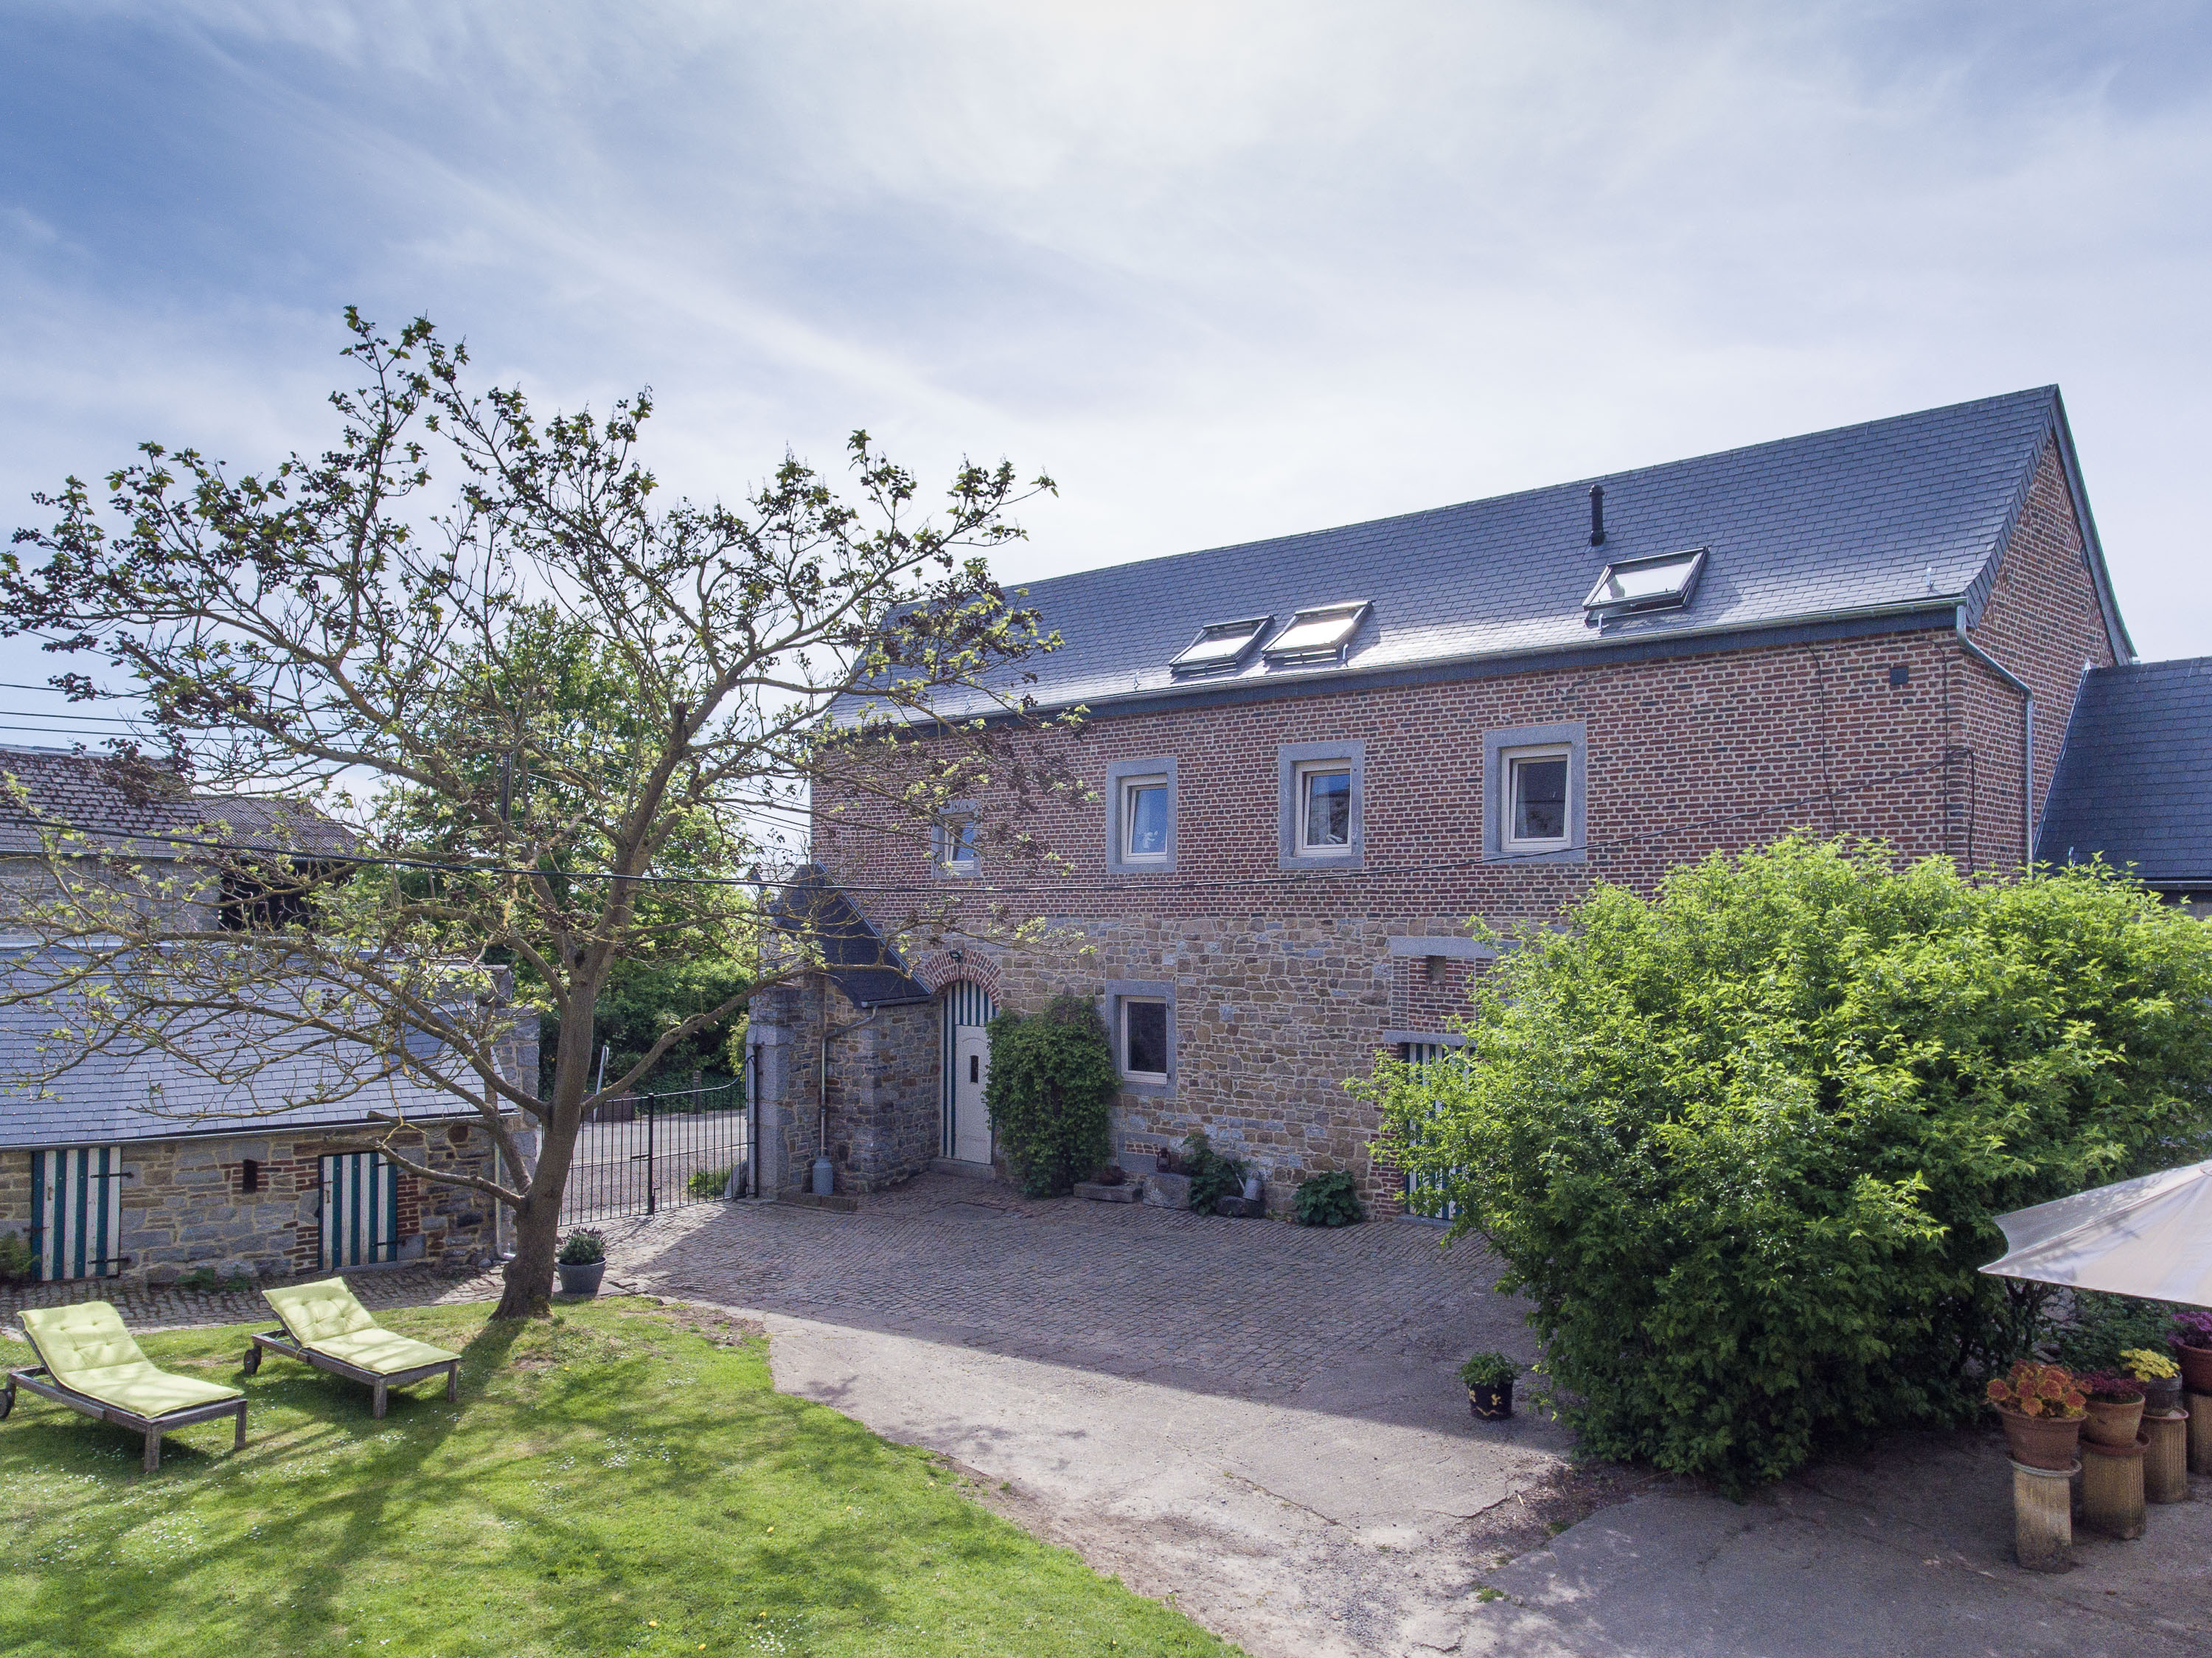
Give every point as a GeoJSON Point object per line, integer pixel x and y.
{"type": "Point", "coordinates": [1262, 1422]}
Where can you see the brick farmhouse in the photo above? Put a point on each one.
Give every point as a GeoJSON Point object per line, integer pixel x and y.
{"type": "Point", "coordinates": [1314, 758]}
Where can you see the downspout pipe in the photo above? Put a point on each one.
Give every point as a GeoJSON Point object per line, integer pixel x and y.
{"type": "Point", "coordinates": [2028, 732]}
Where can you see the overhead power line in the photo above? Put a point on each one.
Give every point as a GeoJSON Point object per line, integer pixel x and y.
{"type": "Point", "coordinates": [977, 888]}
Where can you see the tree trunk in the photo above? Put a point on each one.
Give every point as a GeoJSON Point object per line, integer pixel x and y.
{"type": "Point", "coordinates": [529, 1277]}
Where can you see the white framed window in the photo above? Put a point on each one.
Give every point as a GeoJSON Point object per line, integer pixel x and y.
{"type": "Point", "coordinates": [1324, 808]}
{"type": "Point", "coordinates": [1538, 810]}
{"type": "Point", "coordinates": [1145, 819]}
{"type": "Point", "coordinates": [1319, 785]}
{"type": "Point", "coordinates": [957, 836]}
{"type": "Point", "coordinates": [1535, 789]}
{"type": "Point", "coordinates": [1141, 1044]}
{"type": "Point", "coordinates": [1140, 816]}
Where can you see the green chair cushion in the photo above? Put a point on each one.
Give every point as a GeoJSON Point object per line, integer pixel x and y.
{"type": "Point", "coordinates": [314, 1313]}
{"type": "Point", "coordinates": [382, 1353]}
{"type": "Point", "coordinates": [86, 1349]}
{"type": "Point", "coordinates": [326, 1317]}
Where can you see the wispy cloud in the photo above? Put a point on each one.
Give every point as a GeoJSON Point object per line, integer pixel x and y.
{"type": "Point", "coordinates": [1229, 270]}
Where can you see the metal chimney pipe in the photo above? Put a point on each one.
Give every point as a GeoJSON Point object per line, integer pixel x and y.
{"type": "Point", "coordinates": [1597, 514]}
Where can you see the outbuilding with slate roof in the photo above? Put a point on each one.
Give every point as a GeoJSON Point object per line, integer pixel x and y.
{"type": "Point", "coordinates": [121, 1162]}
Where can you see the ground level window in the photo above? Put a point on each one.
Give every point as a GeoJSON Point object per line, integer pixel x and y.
{"type": "Point", "coordinates": [1145, 1037]}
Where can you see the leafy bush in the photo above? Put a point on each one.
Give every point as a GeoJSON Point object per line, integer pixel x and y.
{"type": "Point", "coordinates": [708, 1182]}
{"type": "Point", "coordinates": [2102, 1327]}
{"type": "Point", "coordinates": [1741, 1142]}
{"type": "Point", "coordinates": [17, 1263]}
{"type": "Point", "coordinates": [583, 1248]}
{"type": "Point", "coordinates": [1488, 1370]}
{"type": "Point", "coordinates": [1052, 1082]}
{"type": "Point", "coordinates": [1213, 1176]}
{"type": "Point", "coordinates": [1329, 1200]}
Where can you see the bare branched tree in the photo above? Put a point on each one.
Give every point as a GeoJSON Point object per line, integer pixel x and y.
{"type": "Point", "coordinates": [563, 726]}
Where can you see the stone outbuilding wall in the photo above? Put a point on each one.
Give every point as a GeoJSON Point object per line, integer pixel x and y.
{"type": "Point", "coordinates": [186, 1203]}
{"type": "Point", "coordinates": [882, 1092]}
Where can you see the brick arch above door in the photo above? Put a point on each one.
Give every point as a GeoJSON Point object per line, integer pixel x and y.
{"type": "Point", "coordinates": [942, 967]}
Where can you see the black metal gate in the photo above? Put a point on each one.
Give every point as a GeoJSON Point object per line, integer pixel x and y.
{"type": "Point", "coordinates": [690, 1146]}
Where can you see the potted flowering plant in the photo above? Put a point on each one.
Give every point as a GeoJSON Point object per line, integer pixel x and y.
{"type": "Point", "coordinates": [1489, 1378]}
{"type": "Point", "coordinates": [2116, 1407]}
{"type": "Point", "coordinates": [2190, 1338]}
{"type": "Point", "coordinates": [2042, 1409]}
{"type": "Point", "coordinates": [2159, 1377]}
{"type": "Point", "coordinates": [581, 1263]}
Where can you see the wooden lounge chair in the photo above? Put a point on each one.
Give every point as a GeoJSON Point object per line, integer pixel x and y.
{"type": "Point", "coordinates": [88, 1361]}
{"type": "Point", "coordinates": [325, 1326]}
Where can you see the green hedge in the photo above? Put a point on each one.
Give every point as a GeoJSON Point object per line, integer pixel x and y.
{"type": "Point", "coordinates": [1052, 1083]}
{"type": "Point", "coordinates": [1742, 1143]}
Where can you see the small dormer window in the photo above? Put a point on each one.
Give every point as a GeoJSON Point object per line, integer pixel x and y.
{"type": "Point", "coordinates": [1635, 585]}
{"type": "Point", "coordinates": [1317, 635]}
{"type": "Point", "coordinates": [1220, 647]}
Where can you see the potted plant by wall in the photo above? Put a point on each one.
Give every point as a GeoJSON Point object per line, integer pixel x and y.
{"type": "Point", "coordinates": [2043, 1411]}
{"type": "Point", "coordinates": [2192, 1341]}
{"type": "Point", "coordinates": [581, 1263]}
{"type": "Point", "coordinates": [2160, 1377]}
{"type": "Point", "coordinates": [1489, 1378]}
{"type": "Point", "coordinates": [2116, 1408]}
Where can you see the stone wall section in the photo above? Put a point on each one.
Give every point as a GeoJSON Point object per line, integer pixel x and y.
{"type": "Point", "coordinates": [185, 1206]}
{"type": "Point", "coordinates": [882, 1092]}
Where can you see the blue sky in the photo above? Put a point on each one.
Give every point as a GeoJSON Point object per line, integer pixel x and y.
{"type": "Point", "coordinates": [1228, 271]}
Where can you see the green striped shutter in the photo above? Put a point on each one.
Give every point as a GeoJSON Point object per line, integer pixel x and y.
{"type": "Point", "coordinates": [360, 1209]}
{"type": "Point", "coordinates": [1421, 1055]}
{"type": "Point", "coordinates": [76, 1211]}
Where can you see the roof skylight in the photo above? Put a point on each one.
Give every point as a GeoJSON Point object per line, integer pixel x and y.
{"type": "Point", "coordinates": [1220, 646]}
{"type": "Point", "coordinates": [1317, 635]}
{"type": "Point", "coordinates": [1634, 585]}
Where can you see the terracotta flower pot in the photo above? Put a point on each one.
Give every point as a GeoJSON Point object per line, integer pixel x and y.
{"type": "Point", "coordinates": [2196, 1364]}
{"type": "Point", "coordinates": [2113, 1422]}
{"type": "Point", "coordinates": [2041, 1442]}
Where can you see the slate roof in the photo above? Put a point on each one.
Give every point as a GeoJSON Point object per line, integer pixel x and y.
{"type": "Point", "coordinates": [1896, 517]}
{"type": "Point", "coordinates": [2135, 775]}
{"type": "Point", "coordinates": [120, 810]}
{"type": "Point", "coordinates": [108, 1097]}
{"type": "Point", "coordinates": [863, 967]}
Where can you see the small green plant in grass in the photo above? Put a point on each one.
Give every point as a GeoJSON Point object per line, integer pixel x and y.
{"type": "Point", "coordinates": [1489, 1370]}
{"type": "Point", "coordinates": [17, 1263]}
{"type": "Point", "coordinates": [583, 1248]}
{"type": "Point", "coordinates": [708, 1182]}
{"type": "Point", "coordinates": [1213, 1176]}
{"type": "Point", "coordinates": [207, 1282]}
{"type": "Point", "coordinates": [1329, 1200]}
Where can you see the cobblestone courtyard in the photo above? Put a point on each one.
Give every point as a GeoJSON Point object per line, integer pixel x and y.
{"type": "Point", "coordinates": [1261, 1421]}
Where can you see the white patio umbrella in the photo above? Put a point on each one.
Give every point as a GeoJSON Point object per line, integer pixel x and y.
{"type": "Point", "coordinates": [2150, 1237]}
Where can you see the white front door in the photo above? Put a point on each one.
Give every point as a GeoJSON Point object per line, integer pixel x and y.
{"type": "Point", "coordinates": [971, 1069]}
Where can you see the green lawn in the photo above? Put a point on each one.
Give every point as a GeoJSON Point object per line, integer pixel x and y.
{"type": "Point", "coordinates": [622, 1479]}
